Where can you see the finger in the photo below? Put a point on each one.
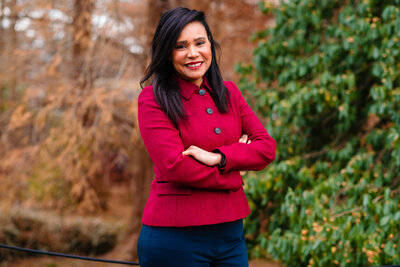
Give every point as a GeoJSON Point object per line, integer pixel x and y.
{"type": "Point", "coordinates": [186, 153]}
{"type": "Point", "coordinates": [249, 141]}
{"type": "Point", "coordinates": [192, 151]}
{"type": "Point", "coordinates": [243, 139]}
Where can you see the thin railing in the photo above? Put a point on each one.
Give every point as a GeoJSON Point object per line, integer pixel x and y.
{"type": "Point", "coordinates": [57, 254]}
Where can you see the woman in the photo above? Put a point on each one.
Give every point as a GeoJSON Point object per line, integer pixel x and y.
{"type": "Point", "coordinates": [200, 133]}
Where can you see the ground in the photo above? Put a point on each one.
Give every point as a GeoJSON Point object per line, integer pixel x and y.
{"type": "Point", "coordinates": [120, 199]}
{"type": "Point", "coordinates": [58, 262]}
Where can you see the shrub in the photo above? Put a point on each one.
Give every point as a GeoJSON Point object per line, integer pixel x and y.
{"type": "Point", "coordinates": [326, 78]}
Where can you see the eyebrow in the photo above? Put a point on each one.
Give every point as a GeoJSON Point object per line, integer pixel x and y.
{"type": "Point", "coordinates": [197, 39]}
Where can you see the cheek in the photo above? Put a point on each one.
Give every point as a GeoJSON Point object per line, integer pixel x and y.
{"type": "Point", "coordinates": [207, 53]}
{"type": "Point", "coordinates": [176, 58]}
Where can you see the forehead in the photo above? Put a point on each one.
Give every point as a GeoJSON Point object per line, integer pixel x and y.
{"type": "Point", "coordinates": [192, 31]}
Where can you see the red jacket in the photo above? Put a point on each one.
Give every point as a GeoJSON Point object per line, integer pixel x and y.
{"type": "Point", "coordinates": [186, 192]}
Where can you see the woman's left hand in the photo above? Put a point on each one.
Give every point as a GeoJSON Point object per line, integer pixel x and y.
{"type": "Point", "coordinates": [244, 139]}
{"type": "Point", "coordinates": [208, 158]}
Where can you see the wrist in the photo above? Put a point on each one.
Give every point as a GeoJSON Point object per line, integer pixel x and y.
{"type": "Point", "coordinates": [222, 160]}
{"type": "Point", "coordinates": [218, 158]}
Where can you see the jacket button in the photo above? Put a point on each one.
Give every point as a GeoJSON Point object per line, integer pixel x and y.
{"type": "Point", "coordinates": [202, 92]}
{"type": "Point", "coordinates": [209, 111]}
{"type": "Point", "coordinates": [217, 130]}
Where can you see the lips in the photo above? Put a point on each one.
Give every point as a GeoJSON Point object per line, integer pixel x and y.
{"type": "Point", "coordinates": [194, 65]}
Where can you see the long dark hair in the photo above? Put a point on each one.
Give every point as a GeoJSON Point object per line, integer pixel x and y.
{"type": "Point", "coordinates": [162, 72]}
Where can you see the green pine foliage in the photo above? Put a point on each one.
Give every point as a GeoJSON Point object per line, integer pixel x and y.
{"type": "Point", "coordinates": [326, 78]}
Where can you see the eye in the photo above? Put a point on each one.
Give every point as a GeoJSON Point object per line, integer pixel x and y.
{"type": "Point", "coordinates": [180, 46]}
{"type": "Point", "coordinates": [200, 43]}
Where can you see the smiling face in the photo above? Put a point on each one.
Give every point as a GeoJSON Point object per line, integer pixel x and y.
{"type": "Point", "coordinates": [191, 56]}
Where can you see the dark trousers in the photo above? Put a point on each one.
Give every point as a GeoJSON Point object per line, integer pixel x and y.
{"type": "Point", "coordinates": [216, 245]}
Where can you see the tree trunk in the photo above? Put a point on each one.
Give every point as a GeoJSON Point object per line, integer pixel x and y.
{"type": "Point", "coordinates": [13, 48]}
{"type": "Point", "coordinates": [81, 33]}
{"type": "Point", "coordinates": [2, 47]}
{"type": "Point", "coordinates": [154, 12]}
{"type": "Point", "coordinates": [140, 188]}
{"type": "Point", "coordinates": [155, 9]}
{"type": "Point", "coordinates": [2, 3]}
{"type": "Point", "coordinates": [144, 176]}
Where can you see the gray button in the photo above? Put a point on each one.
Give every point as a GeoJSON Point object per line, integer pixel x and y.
{"type": "Point", "coordinates": [202, 92]}
{"type": "Point", "coordinates": [217, 130]}
{"type": "Point", "coordinates": [210, 111]}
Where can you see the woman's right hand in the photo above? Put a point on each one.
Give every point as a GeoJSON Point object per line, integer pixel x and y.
{"type": "Point", "coordinates": [244, 139]}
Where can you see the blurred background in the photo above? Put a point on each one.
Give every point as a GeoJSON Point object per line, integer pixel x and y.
{"type": "Point", "coordinates": [74, 175]}
{"type": "Point", "coordinates": [323, 76]}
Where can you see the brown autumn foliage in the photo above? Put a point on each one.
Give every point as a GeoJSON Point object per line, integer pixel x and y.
{"type": "Point", "coordinates": [69, 77]}
{"type": "Point", "coordinates": [68, 122]}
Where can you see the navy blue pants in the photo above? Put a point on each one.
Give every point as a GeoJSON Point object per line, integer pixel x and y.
{"type": "Point", "coordinates": [214, 245]}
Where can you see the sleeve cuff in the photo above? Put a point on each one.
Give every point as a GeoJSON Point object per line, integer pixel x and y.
{"type": "Point", "coordinates": [222, 164]}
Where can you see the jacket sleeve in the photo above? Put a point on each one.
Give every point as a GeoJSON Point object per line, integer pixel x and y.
{"type": "Point", "coordinates": [165, 147]}
{"type": "Point", "coordinates": [260, 152]}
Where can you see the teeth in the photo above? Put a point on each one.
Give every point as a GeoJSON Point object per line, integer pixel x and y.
{"type": "Point", "coordinates": [194, 65]}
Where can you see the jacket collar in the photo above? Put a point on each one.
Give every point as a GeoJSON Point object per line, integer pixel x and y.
{"type": "Point", "coordinates": [187, 88]}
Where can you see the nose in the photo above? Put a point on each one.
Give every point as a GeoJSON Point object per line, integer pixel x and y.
{"type": "Point", "coordinates": [192, 52]}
